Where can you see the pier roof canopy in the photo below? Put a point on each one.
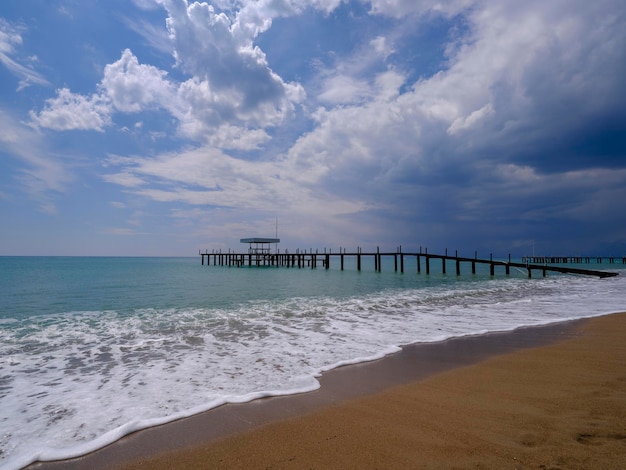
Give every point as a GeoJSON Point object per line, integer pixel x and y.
{"type": "Point", "coordinates": [259, 240]}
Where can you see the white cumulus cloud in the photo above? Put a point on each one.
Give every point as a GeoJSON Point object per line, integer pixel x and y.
{"type": "Point", "coordinates": [68, 111]}
{"type": "Point", "coordinates": [132, 86]}
{"type": "Point", "coordinates": [231, 95]}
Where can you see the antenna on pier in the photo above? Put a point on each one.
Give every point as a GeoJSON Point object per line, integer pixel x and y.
{"type": "Point", "coordinates": [276, 244]}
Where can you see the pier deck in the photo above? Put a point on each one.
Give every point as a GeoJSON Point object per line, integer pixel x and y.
{"type": "Point", "coordinates": [310, 259]}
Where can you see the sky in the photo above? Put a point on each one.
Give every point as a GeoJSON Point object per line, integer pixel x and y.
{"type": "Point", "coordinates": [164, 127]}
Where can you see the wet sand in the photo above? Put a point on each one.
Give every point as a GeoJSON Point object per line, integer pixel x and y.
{"type": "Point", "coordinates": [544, 397]}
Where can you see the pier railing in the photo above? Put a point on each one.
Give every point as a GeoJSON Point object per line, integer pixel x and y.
{"type": "Point", "coordinates": [421, 260]}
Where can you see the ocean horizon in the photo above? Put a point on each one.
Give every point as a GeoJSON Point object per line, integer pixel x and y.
{"type": "Point", "coordinates": [93, 348]}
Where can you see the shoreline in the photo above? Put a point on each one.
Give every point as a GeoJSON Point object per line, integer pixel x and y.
{"type": "Point", "coordinates": [413, 364]}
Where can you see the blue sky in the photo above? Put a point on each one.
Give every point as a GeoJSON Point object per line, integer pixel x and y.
{"type": "Point", "coordinates": [160, 127]}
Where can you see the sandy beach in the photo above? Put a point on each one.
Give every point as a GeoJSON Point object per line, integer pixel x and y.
{"type": "Point", "coordinates": [548, 397]}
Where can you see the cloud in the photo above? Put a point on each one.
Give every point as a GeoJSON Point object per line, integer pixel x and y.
{"type": "Point", "coordinates": [230, 73]}
{"type": "Point", "coordinates": [503, 81]}
{"type": "Point", "coordinates": [381, 46]}
{"type": "Point", "coordinates": [125, 179]}
{"type": "Point", "coordinates": [206, 177]}
{"type": "Point", "coordinates": [41, 173]}
{"type": "Point", "coordinates": [199, 176]}
{"type": "Point", "coordinates": [127, 86]}
{"type": "Point", "coordinates": [342, 89]}
{"type": "Point", "coordinates": [505, 129]}
{"type": "Point", "coordinates": [10, 38]}
{"type": "Point", "coordinates": [237, 138]}
{"type": "Point", "coordinates": [519, 89]}
{"type": "Point", "coordinates": [132, 87]}
{"type": "Point", "coordinates": [68, 111]}
{"type": "Point", "coordinates": [467, 122]}
{"type": "Point", "coordinates": [231, 92]}
{"type": "Point", "coordinates": [401, 8]}
{"type": "Point", "coordinates": [153, 34]}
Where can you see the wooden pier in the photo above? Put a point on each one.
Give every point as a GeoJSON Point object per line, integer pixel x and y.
{"type": "Point", "coordinates": [420, 261]}
{"type": "Point", "coordinates": [573, 259]}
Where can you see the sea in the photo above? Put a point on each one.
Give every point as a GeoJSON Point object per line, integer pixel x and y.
{"type": "Point", "coordinates": [92, 349]}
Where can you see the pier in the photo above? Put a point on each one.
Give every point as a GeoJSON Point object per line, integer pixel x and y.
{"type": "Point", "coordinates": [573, 259]}
{"type": "Point", "coordinates": [259, 255]}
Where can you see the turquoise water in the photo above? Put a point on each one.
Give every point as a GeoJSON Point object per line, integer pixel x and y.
{"type": "Point", "coordinates": [34, 286]}
{"type": "Point", "coordinates": [40, 286]}
{"type": "Point", "coordinates": [94, 348]}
